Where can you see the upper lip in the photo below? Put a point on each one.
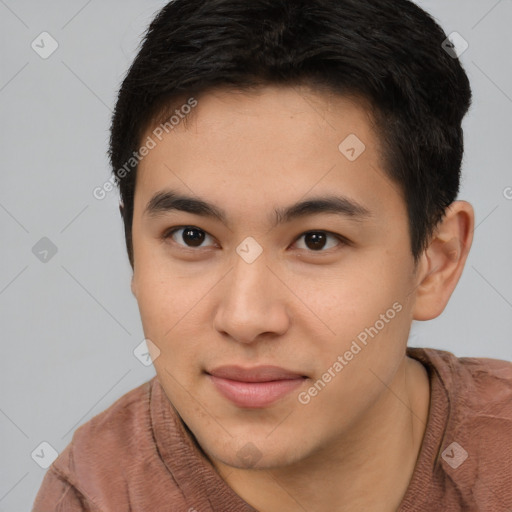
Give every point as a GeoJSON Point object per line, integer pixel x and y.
{"type": "Point", "coordinates": [255, 374]}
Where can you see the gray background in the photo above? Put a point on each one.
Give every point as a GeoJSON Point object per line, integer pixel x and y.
{"type": "Point", "coordinates": [70, 324]}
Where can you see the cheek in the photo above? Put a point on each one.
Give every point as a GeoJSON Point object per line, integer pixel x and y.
{"type": "Point", "coordinates": [155, 310]}
{"type": "Point", "coordinates": [171, 316]}
{"type": "Point", "coordinates": [357, 299]}
{"type": "Point", "coordinates": [161, 305]}
{"type": "Point", "coordinates": [355, 367]}
{"type": "Point", "coordinates": [367, 313]}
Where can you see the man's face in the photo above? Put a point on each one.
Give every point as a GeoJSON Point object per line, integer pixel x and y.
{"type": "Point", "coordinates": [333, 306]}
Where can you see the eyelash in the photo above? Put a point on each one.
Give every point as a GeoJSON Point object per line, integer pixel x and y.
{"type": "Point", "coordinates": [170, 232]}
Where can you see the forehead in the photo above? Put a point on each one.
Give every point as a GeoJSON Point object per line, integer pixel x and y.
{"type": "Point", "coordinates": [269, 146]}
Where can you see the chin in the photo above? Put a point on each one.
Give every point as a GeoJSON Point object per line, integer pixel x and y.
{"type": "Point", "coordinates": [253, 452]}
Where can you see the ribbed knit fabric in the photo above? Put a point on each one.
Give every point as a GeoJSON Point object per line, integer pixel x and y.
{"type": "Point", "coordinates": [139, 456]}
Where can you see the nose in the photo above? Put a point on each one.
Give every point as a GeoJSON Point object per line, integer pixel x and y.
{"type": "Point", "coordinates": [253, 303]}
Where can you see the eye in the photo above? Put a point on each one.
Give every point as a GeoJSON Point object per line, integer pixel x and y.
{"type": "Point", "coordinates": [187, 236]}
{"type": "Point", "coordinates": [314, 241]}
{"type": "Point", "coordinates": [318, 240]}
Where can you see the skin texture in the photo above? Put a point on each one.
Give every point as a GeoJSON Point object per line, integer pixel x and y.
{"type": "Point", "coordinates": [355, 444]}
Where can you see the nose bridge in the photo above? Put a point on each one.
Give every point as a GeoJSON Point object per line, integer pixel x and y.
{"type": "Point", "coordinates": [250, 304]}
{"type": "Point", "coordinates": [246, 284]}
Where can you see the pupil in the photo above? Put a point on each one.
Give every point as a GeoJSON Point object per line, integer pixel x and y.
{"type": "Point", "coordinates": [195, 236]}
{"type": "Point", "coordinates": [317, 240]}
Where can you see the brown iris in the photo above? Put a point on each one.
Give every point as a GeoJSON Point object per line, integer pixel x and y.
{"type": "Point", "coordinates": [315, 240]}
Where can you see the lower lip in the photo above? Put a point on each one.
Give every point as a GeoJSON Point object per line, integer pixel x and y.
{"type": "Point", "coordinates": [255, 394]}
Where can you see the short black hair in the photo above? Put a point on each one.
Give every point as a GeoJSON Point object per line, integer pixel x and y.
{"type": "Point", "coordinates": [387, 52]}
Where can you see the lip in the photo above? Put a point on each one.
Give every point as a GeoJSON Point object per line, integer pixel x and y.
{"type": "Point", "coordinates": [255, 387]}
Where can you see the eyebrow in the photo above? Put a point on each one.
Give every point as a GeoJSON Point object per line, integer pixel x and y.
{"type": "Point", "coordinates": [167, 200]}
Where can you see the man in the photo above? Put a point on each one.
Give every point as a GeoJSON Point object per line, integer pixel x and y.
{"type": "Point", "coordinates": [288, 174]}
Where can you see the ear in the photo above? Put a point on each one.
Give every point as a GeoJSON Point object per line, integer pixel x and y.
{"type": "Point", "coordinates": [442, 263]}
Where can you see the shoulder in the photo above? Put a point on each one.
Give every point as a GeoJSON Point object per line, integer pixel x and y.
{"type": "Point", "coordinates": [480, 381]}
{"type": "Point", "coordinates": [116, 428]}
{"type": "Point", "coordinates": [479, 384]}
{"type": "Point", "coordinates": [475, 449]}
{"type": "Point", "coordinates": [56, 493]}
{"type": "Point", "coordinates": [106, 451]}
{"type": "Point", "coordinates": [478, 390]}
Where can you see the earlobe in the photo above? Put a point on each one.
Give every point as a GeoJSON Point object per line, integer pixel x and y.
{"type": "Point", "coordinates": [443, 261]}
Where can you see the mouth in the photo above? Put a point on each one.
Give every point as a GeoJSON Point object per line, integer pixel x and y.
{"type": "Point", "coordinates": [255, 387]}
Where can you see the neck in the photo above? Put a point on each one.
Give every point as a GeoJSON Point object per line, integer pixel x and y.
{"type": "Point", "coordinates": [368, 468]}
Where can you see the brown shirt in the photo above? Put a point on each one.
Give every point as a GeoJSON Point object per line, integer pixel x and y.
{"type": "Point", "coordinates": [138, 456]}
